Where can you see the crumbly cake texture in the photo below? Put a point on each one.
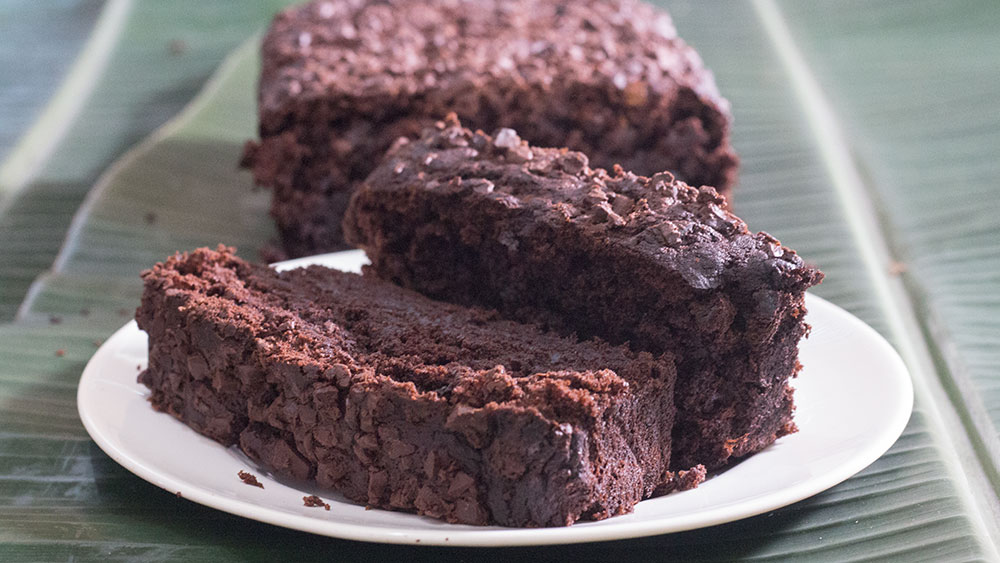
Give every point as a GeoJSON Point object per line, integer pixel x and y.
{"type": "Point", "coordinates": [343, 79]}
{"type": "Point", "coordinates": [537, 234]}
{"type": "Point", "coordinates": [400, 402]}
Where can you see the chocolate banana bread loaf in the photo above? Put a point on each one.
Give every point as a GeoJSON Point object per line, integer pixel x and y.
{"type": "Point", "coordinates": [342, 79]}
{"type": "Point", "coordinates": [650, 261]}
{"type": "Point", "coordinates": [404, 403]}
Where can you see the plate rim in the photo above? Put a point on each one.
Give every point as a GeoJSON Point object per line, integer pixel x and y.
{"type": "Point", "coordinates": [582, 532]}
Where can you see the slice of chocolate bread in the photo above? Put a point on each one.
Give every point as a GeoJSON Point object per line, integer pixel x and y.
{"type": "Point", "coordinates": [404, 403]}
{"type": "Point", "coordinates": [537, 234]}
{"type": "Point", "coordinates": [342, 79]}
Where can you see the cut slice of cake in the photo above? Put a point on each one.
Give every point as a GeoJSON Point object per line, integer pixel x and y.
{"type": "Point", "coordinates": [404, 403]}
{"type": "Point", "coordinates": [537, 234]}
{"type": "Point", "coordinates": [342, 79]}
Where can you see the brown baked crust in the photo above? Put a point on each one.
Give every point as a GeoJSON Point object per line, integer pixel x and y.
{"type": "Point", "coordinates": [403, 403]}
{"type": "Point", "coordinates": [342, 79]}
{"type": "Point", "coordinates": [537, 234]}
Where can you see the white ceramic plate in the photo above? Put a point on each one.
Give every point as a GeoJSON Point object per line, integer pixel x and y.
{"type": "Point", "coordinates": [854, 398]}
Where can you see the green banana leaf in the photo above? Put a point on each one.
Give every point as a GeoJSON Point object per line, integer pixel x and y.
{"type": "Point", "coordinates": [143, 61]}
{"type": "Point", "coordinates": [48, 33]}
{"type": "Point", "coordinates": [869, 136]}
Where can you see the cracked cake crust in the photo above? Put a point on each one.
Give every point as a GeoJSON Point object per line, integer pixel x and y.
{"type": "Point", "coordinates": [538, 234]}
{"type": "Point", "coordinates": [342, 79]}
{"type": "Point", "coordinates": [403, 403]}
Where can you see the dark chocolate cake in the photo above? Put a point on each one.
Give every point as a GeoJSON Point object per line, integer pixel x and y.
{"type": "Point", "coordinates": [539, 235]}
{"type": "Point", "coordinates": [342, 79]}
{"type": "Point", "coordinates": [404, 403]}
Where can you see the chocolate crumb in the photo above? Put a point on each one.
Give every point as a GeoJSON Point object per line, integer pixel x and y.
{"type": "Point", "coordinates": [97, 343]}
{"type": "Point", "coordinates": [138, 367]}
{"type": "Point", "coordinates": [60, 352]}
{"type": "Point", "coordinates": [177, 47]}
{"type": "Point", "coordinates": [55, 319]}
{"type": "Point", "coordinates": [249, 479]}
{"type": "Point", "coordinates": [85, 312]}
{"type": "Point", "coordinates": [178, 494]}
{"type": "Point", "coordinates": [690, 479]}
{"type": "Point", "coordinates": [313, 501]}
{"type": "Point", "coordinates": [150, 218]}
{"type": "Point", "coordinates": [682, 480]}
